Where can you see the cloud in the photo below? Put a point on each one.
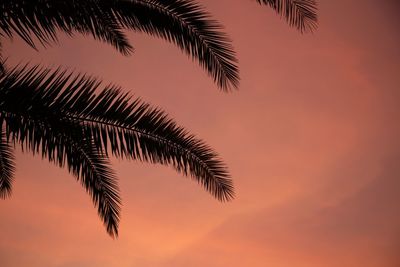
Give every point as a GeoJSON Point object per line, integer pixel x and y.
{"type": "Point", "coordinates": [362, 229]}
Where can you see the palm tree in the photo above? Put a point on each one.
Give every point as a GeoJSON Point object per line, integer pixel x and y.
{"type": "Point", "coordinates": [59, 115]}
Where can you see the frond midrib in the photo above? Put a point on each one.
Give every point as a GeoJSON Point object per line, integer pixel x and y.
{"type": "Point", "coordinates": [306, 22]}
{"type": "Point", "coordinates": [152, 136]}
{"type": "Point", "coordinates": [299, 11]}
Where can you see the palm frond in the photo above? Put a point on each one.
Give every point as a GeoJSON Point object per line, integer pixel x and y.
{"type": "Point", "coordinates": [186, 24]}
{"type": "Point", "coordinates": [43, 18]}
{"type": "Point", "coordinates": [63, 143]}
{"type": "Point", "coordinates": [7, 165]}
{"type": "Point", "coordinates": [301, 14]}
{"type": "Point", "coordinates": [128, 128]}
{"type": "Point", "coordinates": [182, 22]}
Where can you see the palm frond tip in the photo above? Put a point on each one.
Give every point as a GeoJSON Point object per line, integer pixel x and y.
{"type": "Point", "coordinates": [186, 24]}
{"type": "Point", "coordinates": [301, 14]}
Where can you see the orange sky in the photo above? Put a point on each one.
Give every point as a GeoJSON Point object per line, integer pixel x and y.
{"type": "Point", "coordinates": [311, 139]}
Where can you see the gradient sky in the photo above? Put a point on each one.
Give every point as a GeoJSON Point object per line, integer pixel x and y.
{"type": "Point", "coordinates": [311, 139]}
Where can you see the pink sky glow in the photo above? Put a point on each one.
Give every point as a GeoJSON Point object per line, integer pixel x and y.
{"type": "Point", "coordinates": [311, 139]}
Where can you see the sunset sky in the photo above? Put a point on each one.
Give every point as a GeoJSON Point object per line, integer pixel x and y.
{"type": "Point", "coordinates": [311, 139]}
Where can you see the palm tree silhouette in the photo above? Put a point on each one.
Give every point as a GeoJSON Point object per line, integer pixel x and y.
{"type": "Point", "coordinates": [59, 115]}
